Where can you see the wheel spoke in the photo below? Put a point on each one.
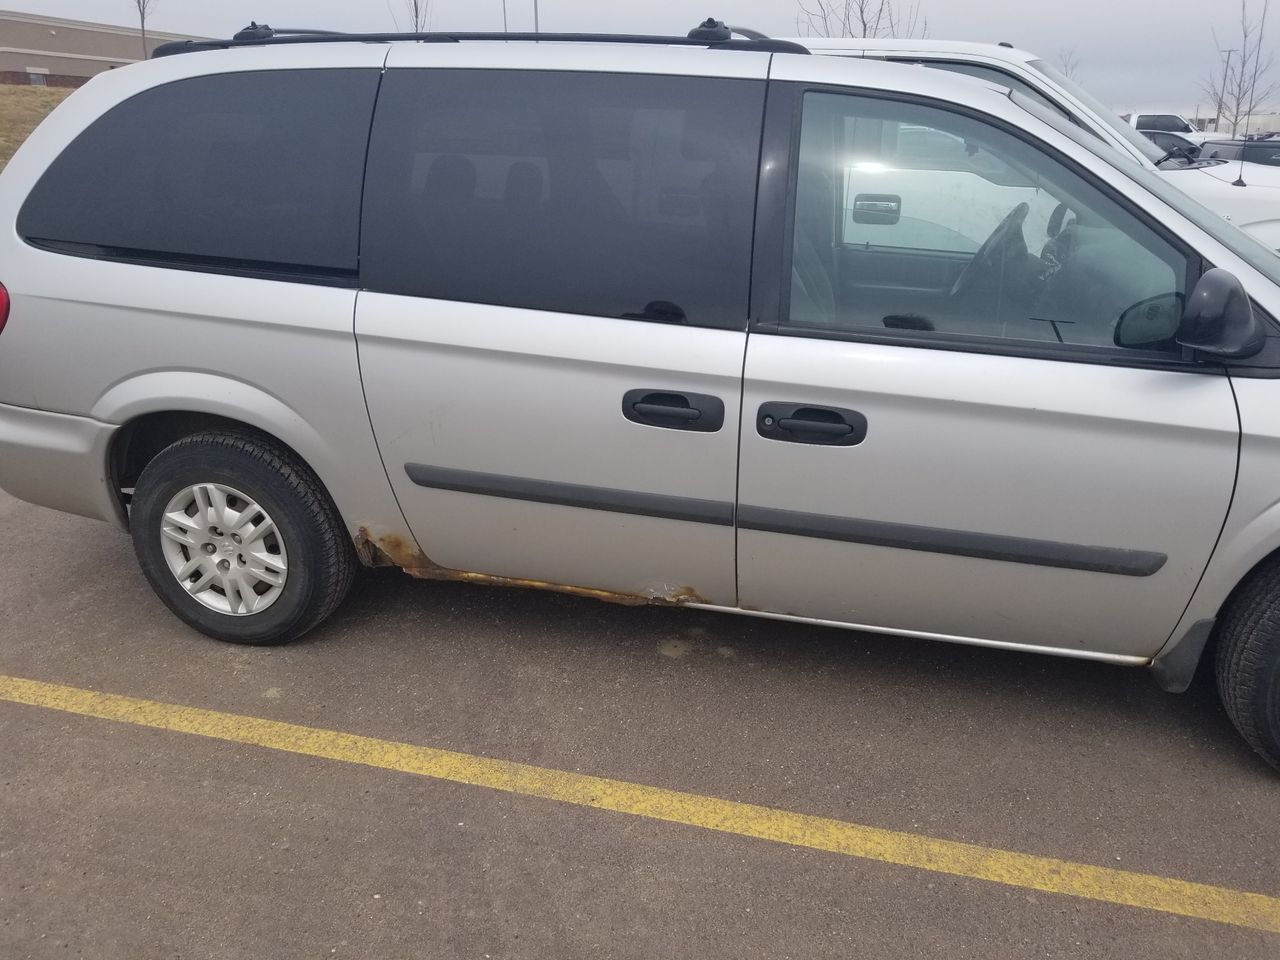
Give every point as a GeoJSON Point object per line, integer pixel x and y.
{"type": "Point", "coordinates": [269, 561]}
{"type": "Point", "coordinates": [274, 577]}
{"type": "Point", "coordinates": [243, 524]}
{"type": "Point", "coordinates": [204, 506]}
{"type": "Point", "coordinates": [182, 535]}
{"type": "Point", "coordinates": [185, 571]}
{"type": "Point", "coordinates": [249, 534]}
{"type": "Point", "coordinates": [179, 518]}
{"type": "Point", "coordinates": [218, 500]}
{"type": "Point", "coordinates": [241, 598]}
{"type": "Point", "coordinates": [207, 579]}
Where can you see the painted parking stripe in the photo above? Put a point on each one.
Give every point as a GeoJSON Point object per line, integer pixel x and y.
{"type": "Point", "coordinates": [1046, 874]}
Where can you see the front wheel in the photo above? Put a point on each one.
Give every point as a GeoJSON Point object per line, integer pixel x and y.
{"type": "Point", "coordinates": [1248, 660]}
{"type": "Point", "coordinates": [239, 539]}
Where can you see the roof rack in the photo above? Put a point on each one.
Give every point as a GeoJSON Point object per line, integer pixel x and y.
{"type": "Point", "coordinates": [711, 33]}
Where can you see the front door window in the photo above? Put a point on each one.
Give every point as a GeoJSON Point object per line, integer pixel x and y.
{"type": "Point", "coordinates": [915, 219]}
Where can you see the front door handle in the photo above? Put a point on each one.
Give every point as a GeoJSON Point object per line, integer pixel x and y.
{"type": "Point", "coordinates": [823, 427]}
{"type": "Point", "coordinates": [674, 411]}
{"type": "Point", "coordinates": [807, 423]}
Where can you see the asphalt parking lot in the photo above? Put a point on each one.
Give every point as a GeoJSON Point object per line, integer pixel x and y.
{"type": "Point", "coordinates": [134, 839]}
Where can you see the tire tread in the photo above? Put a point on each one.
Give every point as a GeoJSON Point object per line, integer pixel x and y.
{"type": "Point", "coordinates": [1248, 646]}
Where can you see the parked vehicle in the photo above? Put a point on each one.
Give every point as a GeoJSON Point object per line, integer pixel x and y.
{"type": "Point", "coordinates": [1255, 210]}
{"type": "Point", "coordinates": [1166, 123]}
{"type": "Point", "coordinates": [1173, 143]}
{"type": "Point", "coordinates": [1263, 152]}
{"type": "Point", "coordinates": [886, 349]}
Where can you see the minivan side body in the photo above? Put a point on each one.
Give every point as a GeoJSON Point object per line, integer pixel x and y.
{"type": "Point", "coordinates": [648, 324]}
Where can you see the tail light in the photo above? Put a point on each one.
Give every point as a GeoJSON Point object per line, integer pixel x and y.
{"type": "Point", "coordinates": [4, 307]}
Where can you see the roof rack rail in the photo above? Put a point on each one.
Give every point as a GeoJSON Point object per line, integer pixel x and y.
{"type": "Point", "coordinates": [260, 31]}
{"type": "Point", "coordinates": [711, 33]}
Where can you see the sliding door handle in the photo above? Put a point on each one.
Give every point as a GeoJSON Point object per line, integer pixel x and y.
{"type": "Point", "coordinates": [674, 411]}
{"type": "Point", "coordinates": [662, 411]}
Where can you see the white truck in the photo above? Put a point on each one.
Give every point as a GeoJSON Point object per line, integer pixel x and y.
{"type": "Point", "coordinates": [1166, 123]}
{"type": "Point", "coordinates": [1253, 206]}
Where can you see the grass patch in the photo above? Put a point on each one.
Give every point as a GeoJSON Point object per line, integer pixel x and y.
{"type": "Point", "coordinates": [21, 109]}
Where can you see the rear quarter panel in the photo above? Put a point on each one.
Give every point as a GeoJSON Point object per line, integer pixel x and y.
{"type": "Point", "coordinates": [113, 341]}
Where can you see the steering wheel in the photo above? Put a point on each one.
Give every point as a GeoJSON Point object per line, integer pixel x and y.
{"type": "Point", "coordinates": [994, 249]}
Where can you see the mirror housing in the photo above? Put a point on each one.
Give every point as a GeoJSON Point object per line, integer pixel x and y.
{"type": "Point", "coordinates": [1219, 319]}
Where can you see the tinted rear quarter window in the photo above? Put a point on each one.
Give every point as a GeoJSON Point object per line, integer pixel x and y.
{"type": "Point", "coordinates": [256, 168]}
{"type": "Point", "coordinates": [604, 194]}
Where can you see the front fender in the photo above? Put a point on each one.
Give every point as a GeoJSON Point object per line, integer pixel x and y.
{"type": "Point", "coordinates": [1251, 533]}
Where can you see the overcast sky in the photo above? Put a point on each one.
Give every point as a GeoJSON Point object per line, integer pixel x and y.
{"type": "Point", "coordinates": [1152, 53]}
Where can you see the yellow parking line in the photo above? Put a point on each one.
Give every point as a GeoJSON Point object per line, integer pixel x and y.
{"type": "Point", "coordinates": [1181, 897]}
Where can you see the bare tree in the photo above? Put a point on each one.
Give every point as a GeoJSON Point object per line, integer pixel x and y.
{"type": "Point", "coordinates": [144, 10]}
{"type": "Point", "coordinates": [861, 18]}
{"type": "Point", "coordinates": [416, 14]}
{"type": "Point", "coordinates": [1069, 63]}
{"type": "Point", "coordinates": [1242, 80]}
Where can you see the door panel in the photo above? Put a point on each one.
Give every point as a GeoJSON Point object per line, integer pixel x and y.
{"type": "Point", "coordinates": [551, 340]}
{"type": "Point", "coordinates": [1016, 476]}
{"type": "Point", "coordinates": [504, 436]}
{"type": "Point", "coordinates": [1015, 500]}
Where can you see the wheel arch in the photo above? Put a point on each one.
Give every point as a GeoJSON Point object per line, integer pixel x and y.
{"type": "Point", "coordinates": [155, 409]}
{"type": "Point", "coordinates": [137, 442]}
{"type": "Point", "coordinates": [1239, 556]}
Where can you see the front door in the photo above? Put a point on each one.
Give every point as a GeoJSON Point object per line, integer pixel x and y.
{"type": "Point", "coordinates": [942, 435]}
{"type": "Point", "coordinates": [552, 337]}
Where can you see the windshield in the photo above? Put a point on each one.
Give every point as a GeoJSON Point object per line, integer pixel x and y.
{"type": "Point", "coordinates": [1101, 111]}
{"type": "Point", "coordinates": [1240, 243]}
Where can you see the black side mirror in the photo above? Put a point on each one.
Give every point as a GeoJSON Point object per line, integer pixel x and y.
{"type": "Point", "coordinates": [1151, 324]}
{"type": "Point", "coordinates": [1219, 319]}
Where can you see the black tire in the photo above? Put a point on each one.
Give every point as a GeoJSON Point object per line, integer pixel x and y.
{"type": "Point", "coordinates": [1248, 660]}
{"type": "Point", "coordinates": [322, 561]}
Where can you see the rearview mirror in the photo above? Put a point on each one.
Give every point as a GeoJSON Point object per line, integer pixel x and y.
{"type": "Point", "coordinates": [1219, 319]}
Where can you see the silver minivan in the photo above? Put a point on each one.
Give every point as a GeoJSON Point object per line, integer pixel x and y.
{"type": "Point", "coordinates": [697, 321]}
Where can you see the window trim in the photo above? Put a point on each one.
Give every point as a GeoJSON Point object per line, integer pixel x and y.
{"type": "Point", "coordinates": [1022, 86]}
{"type": "Point", "coordinates": [198, 263]}
{"type": "Point", "coordinates": [775, 231]}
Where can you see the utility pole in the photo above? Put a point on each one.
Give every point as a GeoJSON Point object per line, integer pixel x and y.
{"type": "Point", "coordinates": [535, 16]}
{"type": "Point", "coordinates": [504, 16]}
{"type": "Point", "coordinates": [1226, 71]}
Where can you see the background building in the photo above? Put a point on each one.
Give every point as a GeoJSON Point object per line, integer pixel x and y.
{"type": "Point", "coordinates": [54, 52]}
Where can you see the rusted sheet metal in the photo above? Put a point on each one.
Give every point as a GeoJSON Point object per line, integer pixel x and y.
{"type": "Point", "coordinates": [393, 550]}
